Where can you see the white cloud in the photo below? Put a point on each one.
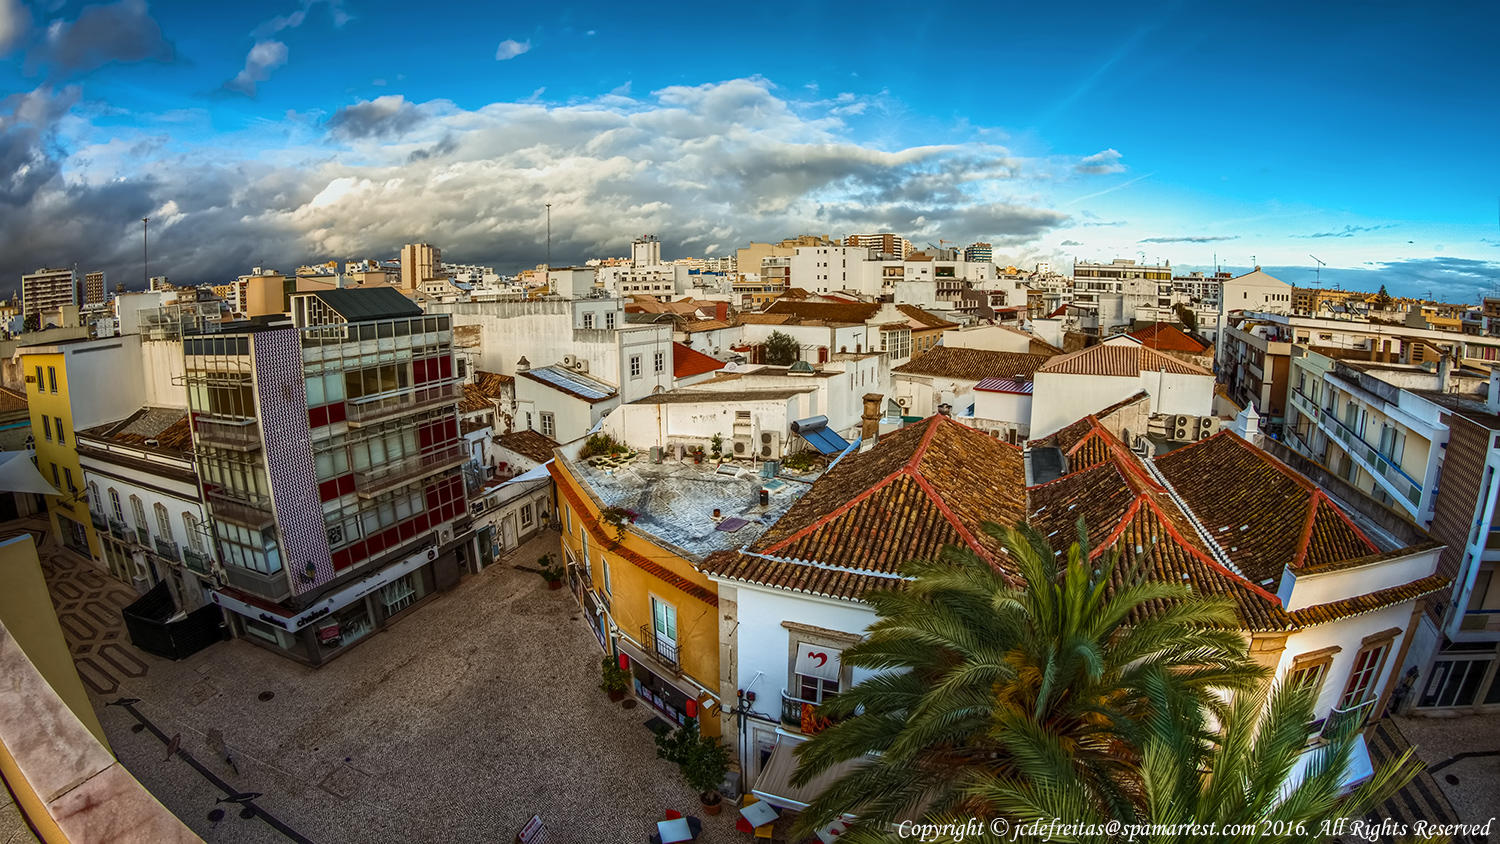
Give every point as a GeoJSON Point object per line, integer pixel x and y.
{"type": "Point", "coordinates": [262, 59]}
{"type": "Point", "coordinates": [1107, 161]}
{"type": "Point", "coordinates": [509, 49]}
{"type": "Point", "coordinates": [15, 20]}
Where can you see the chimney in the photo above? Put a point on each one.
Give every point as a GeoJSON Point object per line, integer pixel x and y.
{"type": "Point", "coordinates": [523, 365]}
{"type": "Point", "coordinates": [869, 423]}
{"type": "Point", "coordinates": [1492, 398]}
{"type": "Point", "coordinates": [721, 311]}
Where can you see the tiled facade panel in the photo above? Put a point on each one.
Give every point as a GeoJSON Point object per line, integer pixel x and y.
{"type": "Point", "coordinates": [293, 475]}
{"type": "Point", "coordinates": [1457, 497]}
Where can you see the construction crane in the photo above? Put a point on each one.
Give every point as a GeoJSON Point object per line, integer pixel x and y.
{"type": "Point", "coordinates": [1319, 272]}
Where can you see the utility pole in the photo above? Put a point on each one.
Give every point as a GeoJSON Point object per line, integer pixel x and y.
{"type": "Point", "coordinates": [145, 255]}
{"type": "Point", "coordinates": [549, 237]}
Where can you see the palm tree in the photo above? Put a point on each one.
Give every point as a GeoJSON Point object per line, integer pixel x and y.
{"type": "Point", "coordinates": [1062, 672]}
{"type": "Point", "coordinates": [1237, 772]}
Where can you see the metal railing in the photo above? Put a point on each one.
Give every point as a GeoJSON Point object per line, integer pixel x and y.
{"type": "Point", "coordinates": [101, 522]}
{"type": "Point", "coordinates": [793, 710]}
{"type": "Point", "coordinates": [119, 529]}
{"type": "Point", "coordinates": [223, 433]}
{"type": "Point", "coordinates": [198, 561]}
{"type": "Point", "coordinates": [664, 652]}
{"type": "Point", "coordinates": [251, 511]}
{"type": "Point", "coordinates": [378, 479]}
{"type": "Point", "coordinates": [374, 409]}
{"type": "Point", "coordinates": [143, 537]}
{"type": "Point", "coordinates": [1369, 457]}
{"type": "Point", "coordinates": [167, 549]}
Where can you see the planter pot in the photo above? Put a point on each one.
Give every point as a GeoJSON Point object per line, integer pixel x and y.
{"type": "Point", "coordinates": [554, 584]}
{"type": "Point", "coordinates": [628, 704]}
{"type": "Point", "coordinates": [617, 696]}
{"type": "Point", "coordinates": [712, 808]}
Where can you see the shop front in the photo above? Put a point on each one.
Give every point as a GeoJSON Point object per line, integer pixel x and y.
{"type": "Point", "coordinates": [674, 698]}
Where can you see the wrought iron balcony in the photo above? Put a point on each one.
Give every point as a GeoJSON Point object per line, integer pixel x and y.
{"type": "Point", "coordinates": [662, 651]}
{"type": "Point", "coordinates": [167, 550]}
{"type": "Point", "coordinates": [802, 715]}
{"type": "Point", "coordinates": [378, 479]}
{"type": "Point", "coordinates": [238, 435]}
{"type": "Point", "coordinates": [251, 511]}
{"type": "Point", "coordinates": [119, 529]}
{"type": "Point", "coordinates": [100, 521]}
{"type": "Point", "coordinates": [378, 408]}
{"type": "Point", "coordinates": [198, 561]}
{"type": "Point", "coordinates": [143, 537]}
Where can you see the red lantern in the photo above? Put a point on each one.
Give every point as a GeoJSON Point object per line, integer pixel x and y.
{"type": "Point", "coordinates": [691, 709]}
{"type": "Point", "coordinates": [624, 662]}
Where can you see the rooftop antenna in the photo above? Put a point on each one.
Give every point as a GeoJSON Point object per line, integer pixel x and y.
{"type": "Point", "coordinates": [1319, 270]}
{"type": "Point", "coordinates": [549, 236]}
{"type": "Point", "coordinates": [145, 254]}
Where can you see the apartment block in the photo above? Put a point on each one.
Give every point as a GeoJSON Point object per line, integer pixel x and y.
{"type": "Point", "coordinates": [330, 459]}
{"type": "Point", "coordinates": [47, 289]}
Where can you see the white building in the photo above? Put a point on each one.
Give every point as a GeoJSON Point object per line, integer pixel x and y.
{"type": "Point", "coordinates": [1074, 385]}
{"type": "Point", "coordinates": [560, 401]}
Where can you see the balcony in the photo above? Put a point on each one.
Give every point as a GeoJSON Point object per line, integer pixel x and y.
{"type": "Point", "coordinates": [802, 715]}
{"type": "Point", "coordinates": [167, 550]}
{"type": "Point", "coordinates": [118, 529]}
{"type": "Point", "coordinates": [143, 537]}
{"type": "Point", "coordinates": [99, 520]}
{"type": "Point", "coordinates": [237, 435]}
{"type": "Point", "coordinates": [197, 561]}
{"type": "Point", "coordinates": [1369, 457]}
{"type": "Point", "coordinates": [377, 408]}
{"type": "Point", "coordinates": [251, 511]}
{"type": "Point", "coordinates": [662, 651]}
{"type": "Point", "coordinates": [272, 587]}
{"type": "Point", "coordinates": [378, 479]}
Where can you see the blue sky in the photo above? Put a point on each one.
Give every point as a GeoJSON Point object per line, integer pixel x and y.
{"type": "Point", "coordinates": [278, 133]}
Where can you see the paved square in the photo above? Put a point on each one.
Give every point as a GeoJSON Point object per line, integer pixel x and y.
{"type": "Point", "coordinates": [458, 723]}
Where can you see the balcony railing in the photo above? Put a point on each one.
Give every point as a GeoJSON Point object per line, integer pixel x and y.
{"type": "Point", "coordinates": [240, 435]}
{"type": "Point", "coordinates": [251, 511]}
{"type": "Point", "coordinates": [101, 522]}
{"type": "Point", "coordinates": [167, 550]}
{"type": "Point", "coordinates": [802, 715]}
{"type": "Point", "coordinates": [272, 587]}
{"type": "Point", "coordinates": [1368, 456]}
{"type": "Point", "coordinates": [367, 410]}
{"type": "Point", "coordinates": [378, 479]}
{"type": "Point", "coordinates": [143, 537]}
{"type": "Point", "coordinates": [119, 529]}
{"type": "Point", "coordinates": [198, 561]}
{"type": "Point", "coordinates": [663, 651]}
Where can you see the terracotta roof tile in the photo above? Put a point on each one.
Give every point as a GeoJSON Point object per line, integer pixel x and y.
{"type": "Point", "coordinates": [850, 312]}
{"type": "Point", "coordinates": [925, 319]}
{"type": "Point", "coordinates": [12, 401]}
{"type": "Point", "coordinates": [1166, 337]}
{"type": "Point", "coordinates": [531, 444]}
{"type": "Point", "coordinates": [1369, 602]}
{"type": "Point", "coordinates": [1119, 359]}
{"type": "Point", "coordinates": [1262, 513]}
{"type": "Point", "coordinates": [704, 325]}
{"type": "Point", "coordinates": [687, 361]}
{"type": "Point", "coordinates": [973, 364]}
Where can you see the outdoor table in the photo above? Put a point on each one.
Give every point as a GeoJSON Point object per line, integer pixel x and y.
{"type": "Point", "coordinates": [674, 830]}
{"type": "Point", "coordinates": [759, 813]}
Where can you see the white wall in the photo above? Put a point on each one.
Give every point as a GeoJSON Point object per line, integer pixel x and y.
{"type": "Point", "coordinates": [661, 423]}
{"type": "Point", "coordinates": [994, 338]}
{"type": "Point", "coordinates": [105, 380]}
{"type": "Point", "coordinates": [1059, 400]}
{"type": "Point", "coordinates": [1311, 590]}
{"type": "Point", "coordinates": [163, 368]}
{"type": "Point", "coordinates": [573, 416]}
{"type": "Point", "coordinates": [1003, 407]}
{"type": "Point", "coordinates": [1347, 634]}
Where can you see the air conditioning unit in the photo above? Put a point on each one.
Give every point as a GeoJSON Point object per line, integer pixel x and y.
{"type": "Point", "coordinates": [581, 365]}
{"type": "Point", "coordinates": [1185, 430]}
{"type": "Point", "coordinates": [336, 535]}
{"type": "Point", "coordinates": [904, 402]}
{"type": "Point", "coordinates": [445, 536]}
{"type": "Point", "coordinates": [570, 361]}
{"type": "Point", "coordinates": [770, 446]}
{"type": "Point", "coordinates": [1207, 427]}
{"type": "Point", "coordinates": [742, 446]}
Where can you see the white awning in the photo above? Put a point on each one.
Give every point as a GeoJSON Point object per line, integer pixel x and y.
{"type": "Point", "coordinates": [19, 474]}
{"type": "Point", "coordinates": [1360, 767]}
{"type": "Point", "coordinates": [817, 661]}
{"type": "Point", "coordinates": [336, 601]}
{"type": "Point", "coordinates": [774, 785]}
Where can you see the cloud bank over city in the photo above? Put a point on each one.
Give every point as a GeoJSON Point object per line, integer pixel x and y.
{"type": "Point", "coordinates": [240, 159]}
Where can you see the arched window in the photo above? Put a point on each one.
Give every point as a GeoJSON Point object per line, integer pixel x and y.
{"type": "Point", "coordinates": [138, 509]}
{"type": "Point", "coordinates": [191, 526]}
{"type": "Point", "coordinates": [114, 502]}
{"type": "Point", "coordinates": [95, 503]}
{"type": "Point", "coordinates": [163, 522]}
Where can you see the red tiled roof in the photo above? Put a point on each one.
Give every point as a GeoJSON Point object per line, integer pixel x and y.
{"type": "Point", "coordinates": [924, 319]}
{"type": "Point", "coordinates": [687, 361]}
{"type": "Point", "coordinates": [1004, 385]}
{"type": "Point", "coordinates": [1264, 514]}
{"type": "Point", "coordinates": [1166, 337]}
{"type": "Point", "coordinates": [972, 364]}
{"type": "Point", "coordinates": [534, 445]}
{"type": "Point", "coordinates": [1120, 360]}
{"type": "Point", "coordinates": [12, 401]}
{"type": "Point", "coordinates": [846, 312]}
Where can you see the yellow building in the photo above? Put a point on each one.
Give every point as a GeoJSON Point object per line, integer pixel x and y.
{"type": "Point", "coordinates": [645, 601]}
{"type": "Point", "coordinates": [52, 429]}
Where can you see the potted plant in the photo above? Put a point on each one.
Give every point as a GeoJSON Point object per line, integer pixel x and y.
{"type": "Point", "coordinates": [703, 761]}
{"type": "Point", "coordinates": [616, 680]}
{"type": "Point", "coordinates": [550, 573]}
{"type": "Point", "coordinates": [717, 446]}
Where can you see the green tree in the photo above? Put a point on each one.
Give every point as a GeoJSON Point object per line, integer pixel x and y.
{"type": "Point", "coordinates": [1187, 316]}
{"type": "Point", "coordinates": [781, 349]}
{"type": "Point", "coordinates": [1234, 770]}
{"type": "Point", "coordinates": [981, 677]}
{"type": "Point", "coordinates": [1382, 299]}
{"type": "Point", "coordinates": [32, 322]}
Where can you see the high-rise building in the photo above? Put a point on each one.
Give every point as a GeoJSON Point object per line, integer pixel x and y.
{"type": "Point", "coordinates": [980, 251]}
{"type": "Point", "coordinates": [46, 289]}
{"type": "Point", "coordinates": [93, 288]}
{"type": "Point", "coordinates": [645, 251]}
{"type": "Point", "coordinates": [419, 262]}
{"type": "Point", "coordinates": [332, 474]}
{"type": "Point", "coordinates": [885, 243]}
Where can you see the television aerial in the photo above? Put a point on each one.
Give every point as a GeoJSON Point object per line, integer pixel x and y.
{"type": "Point", "coordinates": [1321, 265]}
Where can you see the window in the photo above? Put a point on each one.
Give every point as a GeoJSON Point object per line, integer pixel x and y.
{"type": "Point", "coordinates": [114, 503]}
{"type": "Point", "coordinates": [664, 628]}
{"type": "Point", "coordinates": [549, 426]}
{"type": "Point", "coordinates": [1367, 666]}
{"type": "Point", "coordinates": [635, 366]}
{"type": "Point", "coordinates": [52, 378]}
{"type": "Point", "coordinates": [94, 501]}
{"type": "Point", "coordinates": [526, 515]}
{"type": "Point", "coordinates": [529, 426]}
{"type": "Point", "coordinates": [609, 587]}
{"type": "Point", "coordinates": [138, 509]}
{"type": "Point", "coordinates": [661, 361]}
{"type": "Point", "coordinates": [1311, 669]}
{"type": "Point", "coordinates": [57, 421]}
{"type": "Point", "coordinates": [56, 480]}
{"type": "Point", "coordinates": [68, 479]}
{"type": "Point", "coordinates": [163, 523]}
{"type": "Point", "coordinates": [47, 427]}
{"type": "Point", "coordinates": [40, 384]}
{"type": "Point", "coordinates": [588, 320]}
{"type": "Point", "coordinates": [192, 528]}
{"type": "Point", "coordinates": [609, 320]}
{"type": "Point", "coordinates": [815, 671]}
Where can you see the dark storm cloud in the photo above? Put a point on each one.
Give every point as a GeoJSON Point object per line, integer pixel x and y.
{"type": "Point", "coordinates": [382, 117]}
{"type": "Point", "coordinates": [114, 32]}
